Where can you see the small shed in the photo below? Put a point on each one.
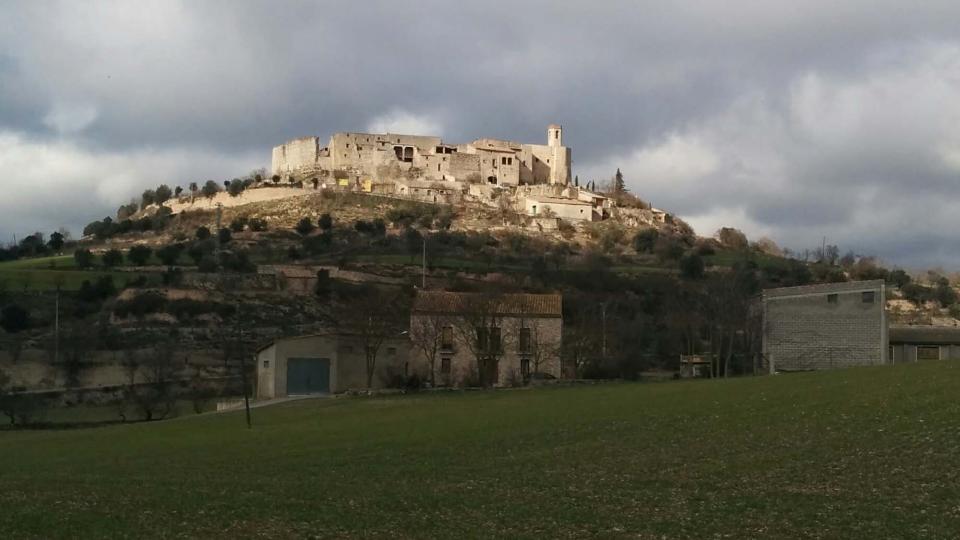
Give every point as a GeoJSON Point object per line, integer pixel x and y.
{"type": "Point", "coordinates": [918, 343]}
{"type": "Point", "coordinates": [325, 363]}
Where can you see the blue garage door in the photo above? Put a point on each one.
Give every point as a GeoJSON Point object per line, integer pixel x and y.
{"type": "Point", "coordinates": [308, 375]}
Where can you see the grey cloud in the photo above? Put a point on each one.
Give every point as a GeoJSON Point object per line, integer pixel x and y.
{"type": "Point", "coordinates": [227, 81]}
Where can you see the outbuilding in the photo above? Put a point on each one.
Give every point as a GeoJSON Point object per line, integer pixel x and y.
{"type": "Point", "coordinates": [325, 364]}
{"type": "Point", "coordinates": [918, 343]}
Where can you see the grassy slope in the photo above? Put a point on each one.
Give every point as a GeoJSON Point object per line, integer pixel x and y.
{"type": "Point", "coordinates": [45, 273]}
{"type": "Point", "coordinates": [863, 453]}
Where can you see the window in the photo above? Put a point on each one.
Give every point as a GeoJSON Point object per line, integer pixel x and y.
{"type": "Point", "coordinates": [266, 364]}
{"type": "Point", "coordinates": [525, 368]}
{"type": "Point", "coordinates": [534, 209]}
{"type": "Point", "coordinates": [348, 146]}
{"type": "Point", "coordinates": [445, 366]}
{"type": "Point", "coordinates": [494, 340]}
{"type": "Point", "coordinates": [831, 299]}
{"type": "Point", "coordinates": [928, 353]}
{"type": "Point", "coordinates": [446, 338]}
{"type": "Point", "coordinates": [867, 297]}
{"type": "Point", "coordinates": [524, 342]}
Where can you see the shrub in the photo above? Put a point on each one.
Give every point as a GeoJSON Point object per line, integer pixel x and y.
{"type": "Point", "coordinates": [691, 266]}
{"type": "Point", "coordinates": [139, 255]}
{"type": "Point", "coordinates": [162, 194]}
{"type": "Point", "coordinates": [567, 229]}
{"type": "Point", "coordinates": [258, 224]}
{"type": "Point", "coordinates": [202, 233]}
{"type": "Point", "coordinates": [111, 258]}
{"type": "Point", "coordinates": [14, 318]}
{"type": "Point", "coordinates": [325, 222]}
{"type": "Point", "coordinates": [224, 236]}
{"type": "Point", "coordinates": [304, 226]}
{"type": "Point", "coordinates": [239, 224]}
{"type": "Point", "coordinates": [170, 254]}
{"type": "Point", "coordinates": [645, 241]}
{"type": "Point", "coordinates": [83, 258]}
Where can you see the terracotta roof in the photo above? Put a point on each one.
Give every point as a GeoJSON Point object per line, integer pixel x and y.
{"type": "Point", "coordinates": [541, 305]}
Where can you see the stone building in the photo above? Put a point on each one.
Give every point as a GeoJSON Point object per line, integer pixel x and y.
{"type": "Point", "coordinates": [825, 326]}
{"type": "Point", "coordinates": [384, 155]}
{"type": "Point", "coordinates": [487, 339]}
{"type": "Point", "coordinates": [325, 363]}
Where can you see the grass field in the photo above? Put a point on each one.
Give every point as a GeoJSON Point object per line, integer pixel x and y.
{"type": "Point", "coordinates": [862, 453]}
{"type": "Point", "coordinates": [46, 273]}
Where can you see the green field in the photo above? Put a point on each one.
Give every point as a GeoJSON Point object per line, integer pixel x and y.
{"type": "Point", "coordinates": [861, 453]}
{"type": "Point", "coordinates": [47, 273]}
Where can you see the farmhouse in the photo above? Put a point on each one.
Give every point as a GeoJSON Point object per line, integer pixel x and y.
{"type": "Point", "coordinates": [325, 363]}
{"type": "Point", "coordinates": [486, 339]}
{"type": "Point", "coordinates": [825, 326]}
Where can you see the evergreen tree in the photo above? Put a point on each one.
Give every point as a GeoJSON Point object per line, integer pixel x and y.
{"type": "Point", "coordinates": [576, 181]}
{"type": "Point", "coordinates": [618, 186]}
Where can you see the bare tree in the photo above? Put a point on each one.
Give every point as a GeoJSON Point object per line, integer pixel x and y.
{"type": "Point", "coordinates": [426, 334]}
{"type": "Point", "coordinates": [479, 326]}
{"type": "Point", "coordinates": [154, 395]}
{"type": "Point", "coordinates": [533, 344]}
{"type": "Point", "coordinates": [373, 317]}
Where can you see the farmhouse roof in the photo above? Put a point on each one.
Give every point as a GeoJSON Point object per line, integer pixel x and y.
{"type": "Point", "coordinates": [545, 199]}
{"type": "Point", "coordinates": [538, 305]}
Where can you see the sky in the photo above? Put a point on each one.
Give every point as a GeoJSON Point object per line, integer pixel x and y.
{"type": "Point", "coordinates": [790, 120]}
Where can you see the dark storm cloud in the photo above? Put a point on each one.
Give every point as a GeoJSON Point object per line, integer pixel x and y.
{"type": "Point", "coordinates": [789, 120]}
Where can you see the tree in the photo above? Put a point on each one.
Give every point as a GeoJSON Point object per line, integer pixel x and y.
{"type": "Point", "coordinates": [534, 345]}
{"type": "Point", "coordinates": [169, 254]}
{"type": "Point", "coordinates": [210, 189]}
{"type": "Point", "coordinates": [153, 395]}
{"type": "Point", "coordinates": [691, 266]}
{"type": "Point", "coordinates": [177, 191]}
{"type": "Point", "coordinates": [235, 188]}
{"type": "Point", "coordinates": [162, 194]}
{"type": "Point", "coordinates": [239, 224]}
{"type": "Point", "coordinates": [83, 258]}
{"type": "Point", "coordinates": [139, 255]}
{"type": "Point", "coordinates": [732, 238]}
{"type": "Point", "coordinates": [426, 334]}
{"type": "Point", "coordinates": [479, 326]}
{"type": "Point", "coordinates": [111, 258]}
{"type": "Point", "coordinates": [14, 318]}
{"type": "Point", "coordinates": [373, 317]}
{"type": "Point", "coordinates": [258, 224]}
{"type": "Point", "coordinates": [224, 236]}
{"type": "Point", "coordinates": [202, 233]}
{"type": "Point", "coordinates": [56, 241]}
{"type": "Point", "coordinates": [275, 178]}
{"type": "Point", "coordinates": [619, 187]}
{"type": "Point", "coordinates": [193, 191]}
{"type": "Point", "coordinates": [304, 226]}
{"type": "Point", "coordinates": [899, 278]}
{"type": "Point", "coordinates": [149, 197]}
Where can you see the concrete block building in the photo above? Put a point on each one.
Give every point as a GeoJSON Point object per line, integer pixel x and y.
{"type": "Point", "coordinates": [427, 158]}
{"type": "Point", "coordinates": [825, 326]}
{"type": "Point", "coordinates": [325, 363]}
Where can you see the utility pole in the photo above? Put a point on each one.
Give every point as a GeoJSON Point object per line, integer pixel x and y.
{"type": "Point", "coordinates": [56, 328]}
{"type": "Point", "coordinates": [423, 270]}
{"type": "Point", "coordinates": [603, 337]}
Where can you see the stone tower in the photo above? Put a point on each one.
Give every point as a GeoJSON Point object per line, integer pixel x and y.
{"type": "Point", "coordinates": [560, 156]}
{"type": "Point", "coordinates": [554, 135]}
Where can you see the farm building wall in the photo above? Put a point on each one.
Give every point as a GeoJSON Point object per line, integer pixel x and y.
{"type": "Point", "coordinates": [825, 326]}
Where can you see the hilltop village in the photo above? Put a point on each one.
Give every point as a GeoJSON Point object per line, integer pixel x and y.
{"type": "Point", "coordinates": [531, 179]}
